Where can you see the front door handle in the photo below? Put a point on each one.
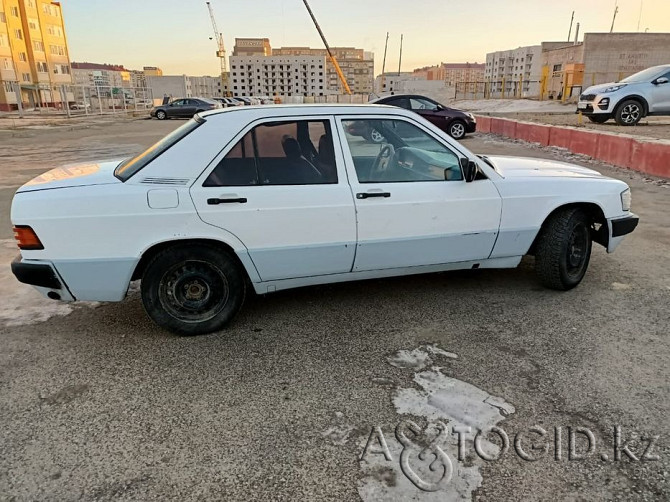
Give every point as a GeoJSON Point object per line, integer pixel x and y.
{"type": "Point", "coordinates": [239, 200]}
{"type": "Point", "coordinates": [367, 195]}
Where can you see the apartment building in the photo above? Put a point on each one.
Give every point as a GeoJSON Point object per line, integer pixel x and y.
{"type": "Point", "coordinates": [453, 73]}
{"type": "Point", "coordinates": [357, 65]}
{"type": "Point", "coordinates": [34, 57]}
{"type": "Point", "coordinates": [278, 75]}
{"type": "Point", "coordinates": [103, 77]}
{"type": "Point", "coordinates": [184, 86]}
{"type": "Point", "coordinates": [152, 71]}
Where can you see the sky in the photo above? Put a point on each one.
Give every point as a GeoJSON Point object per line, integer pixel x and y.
{"type": "Point", "coordinates": [175, 34]}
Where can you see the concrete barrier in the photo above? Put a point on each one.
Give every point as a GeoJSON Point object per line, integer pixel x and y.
{"type": "Point", "coordinates": [640, 154]}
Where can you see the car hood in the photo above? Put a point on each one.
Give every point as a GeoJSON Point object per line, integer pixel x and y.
{"type": "Point", "coordinates": [596, 89]}
{"type": "Point", "coordinates": [519, 167]}
{"type": "Point", "coordinates": [101, 173]}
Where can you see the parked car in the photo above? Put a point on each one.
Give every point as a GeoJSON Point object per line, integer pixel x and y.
{"type": "Point", "coordinates": [629, 100]}
{"type": "Point", "coordinates": [244, 100]}
{"type": "Point", "coordinates": [456, 123]}
{"type": "Point", "coordinates": [183, 108]}
{"type": "Point", "coordinates": [228, 102]}
{"type": "Point", "coordinates": [263, 197]}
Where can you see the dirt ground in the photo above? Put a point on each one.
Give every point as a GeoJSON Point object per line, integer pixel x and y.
{"type": "Point", "coordinates": [97, 403]}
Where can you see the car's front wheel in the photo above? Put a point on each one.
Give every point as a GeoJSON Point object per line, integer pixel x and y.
{"type": "Point", "coordinates": [599, 119]}
{"type": "Point", "coordinates": [457, 129]}
{"type": "Point", "coordinates": [563, 249]}
{"type": "Point", "coordinates": [193, 289]}
{"type": "Point", "coordinates": [629, 113]}
{"type": "Point", "coordinates": [161, 115]}
{"type": "Point", "coordinates": [374, 136]}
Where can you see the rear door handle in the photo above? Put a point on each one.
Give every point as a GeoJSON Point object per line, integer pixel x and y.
{"type": "Point", "coordinates": [367, 195]}
{"type": "Point", "coordinates": [239, 200]}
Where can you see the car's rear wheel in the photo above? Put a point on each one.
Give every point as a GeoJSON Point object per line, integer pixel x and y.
{"type": "Point", "coordinates": [375, 136]}
{"type": "Point", "coordinates": [564, 249]}
{"type": "Point", "coordinates": [457, 129]}
{"type": "Point", "coordinates": [193, 289]}
{"type": "Point", "coordinates": [599, 119]}
{"type": "Point", "coordinates": [629, 113]}
{"type": "Point", "coordinates": [161, 115]}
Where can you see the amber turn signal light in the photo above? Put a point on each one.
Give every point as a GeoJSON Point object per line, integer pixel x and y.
{"type": "Point", "coordinates": [26, 238]}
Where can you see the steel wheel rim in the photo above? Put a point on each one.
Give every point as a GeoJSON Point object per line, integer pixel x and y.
{"type": "Point", "coordinates": [457, 130]}
{"type": "Point", "coordinates": [376, 136]}
{"type": "Point", "coordinates": [160, 115]}
{"type": "Point", "coordinates": [577, 249]}
{"type": "Point", "coordinates": [194, 291]}
{"type": "Point", "coordinates": [630, 113]}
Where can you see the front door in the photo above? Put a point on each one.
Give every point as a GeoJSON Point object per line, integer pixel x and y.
{"type": "Point", "coordinates": [660, 95]}
{"type": "Point", "coordinates": [282, 190]}
{"type": "Point", "coordinates": [413, 206]}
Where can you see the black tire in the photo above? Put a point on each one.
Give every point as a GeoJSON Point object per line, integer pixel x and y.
{"type": "Point", "coordinates": [193, 289]}
{"type": "Point", "coordinates": [599, 119]}
{"type": "Point", "coordinates": [629, 112]}
{"type": "Point", "coordinates": [161, 115]}
{"type": "Point", "coordinates": [563, 249]}
{"type": "Point", "coordinates": [457, 129]}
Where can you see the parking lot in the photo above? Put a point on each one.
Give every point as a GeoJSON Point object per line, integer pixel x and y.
{"type": "Point", "coordinates": [97, 403]}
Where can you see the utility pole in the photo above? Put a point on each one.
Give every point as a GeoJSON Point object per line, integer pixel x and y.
{"type": "Point", "coordinates": [571, 20]}
{"type": "Point", "coordinates": [400, 58]}
{"type": "Point", "coordinates": [330, 53]}
{"type": "Point", "coordinates": [616, 9]}
{"type": "Point", "coordinates": [381, 86]}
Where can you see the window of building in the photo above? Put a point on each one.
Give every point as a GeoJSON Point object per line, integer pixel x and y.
{"type": "Point", "coordinates": [8, 86]}
{"type": "Point", "coordinates": [38, 45]}
{"type": "Point", "coordinates": [32, 23]}
{"type": "Point", "coordinates": [31, 4]}
{"type": "Point", "coordinates": [42, 67]}
{"type": "Point", "coordinates": [23, 57]}
{"type": "Point", "coordinates": [18, 34]}
{"type": "Point", "coordinates": [6, 64]}
{"type": "Point", "coordinates": [3, 18]}
{"type": "Point", "coordinates": [279, 153]}
{"type": "Point", "coordinates": [419, 157]}
{"type": "Point", "coordinates": [26, 77]}
{"type": "Point", "coordinates": [3, 40]}
{"type": "Point", "coordinates": [557, 67]}
{"type": "Point", "coordinates": [14, 11]}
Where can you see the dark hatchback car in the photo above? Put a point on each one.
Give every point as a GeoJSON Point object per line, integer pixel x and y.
{"type": "Point", "coordinates": [183, 108]}
{"type": "Point", "coordinates": [455, 123]}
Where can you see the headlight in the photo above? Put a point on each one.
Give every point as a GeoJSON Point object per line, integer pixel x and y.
{"type": "Point", "coordinates": [626, 199]}
{"type": "Point", "coordinates": [472, 117]}
{"type": "Point", "coordinates": [614, 88]}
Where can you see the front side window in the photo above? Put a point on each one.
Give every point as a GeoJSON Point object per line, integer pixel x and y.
{"type": "Point", "coordinates": [423, 104]}
{"type": "Point", "coordinates": [279, 153]}
{"type": "Point", "coordinates": [404, 153]}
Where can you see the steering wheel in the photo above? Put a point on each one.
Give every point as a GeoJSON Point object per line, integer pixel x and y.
{"type": "Point", "coordinates": [381, 163]}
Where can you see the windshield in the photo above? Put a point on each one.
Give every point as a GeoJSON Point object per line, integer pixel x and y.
{"type": "Point", "coordinates": [131, 166]}
{"type": "Point", "coordinates": [644, 76]}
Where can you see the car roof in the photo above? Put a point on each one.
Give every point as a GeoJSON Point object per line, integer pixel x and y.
{"type": "Point", "coordinates": [311, 109]}
{"type": "Point", "coordinates": [394, 96]}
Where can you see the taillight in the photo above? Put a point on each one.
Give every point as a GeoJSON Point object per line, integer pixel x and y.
{"type": "Point", "coordinates": [26, 238]}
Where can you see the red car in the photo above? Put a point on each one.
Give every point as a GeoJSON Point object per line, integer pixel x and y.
{"type": "Point", "coordinates": [455, 123]}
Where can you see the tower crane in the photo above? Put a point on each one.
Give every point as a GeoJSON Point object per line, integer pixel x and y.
{"type": "Point", "coordinates": [220, 52]}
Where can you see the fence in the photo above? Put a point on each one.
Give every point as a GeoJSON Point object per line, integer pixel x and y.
{"type": "Point", "coordinates": [78, 100]}
{"type": "Point", "coordinates": [498, 89]}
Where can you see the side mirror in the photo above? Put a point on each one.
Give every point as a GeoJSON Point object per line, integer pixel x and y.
{"type": "Point", "coordinates": [661, 80]}
{"type": "Point", "coordinates": [470, 169]}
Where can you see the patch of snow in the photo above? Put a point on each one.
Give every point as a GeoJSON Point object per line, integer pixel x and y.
{"type": "Point", "coordinates": [416, 359]}
{"type": "Point", "coordinates": [434, 349]}
{"type": "Point", "coordinates": [512, 106]}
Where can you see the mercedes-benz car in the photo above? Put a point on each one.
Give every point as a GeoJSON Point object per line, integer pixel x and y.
{"type": "Point", "coordinates": [285, 197]}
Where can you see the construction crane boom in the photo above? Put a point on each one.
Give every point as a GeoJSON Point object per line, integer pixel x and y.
{"type": "Point", "coordinates": [221, 51]}
{"type": "Point", "coordinates": [330, 53]}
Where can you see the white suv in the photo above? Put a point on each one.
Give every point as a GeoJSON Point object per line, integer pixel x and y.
{"type": "Point", "coordinates": [640, 95]}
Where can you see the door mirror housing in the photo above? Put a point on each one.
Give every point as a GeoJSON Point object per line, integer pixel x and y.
{"type": "Point", "coordinates": [470, 170]}
{"type": "Point", "coordinates": [661, 80]}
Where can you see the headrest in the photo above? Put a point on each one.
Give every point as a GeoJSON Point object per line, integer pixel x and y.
{"type": "Point", "coordinates": [291, 147]}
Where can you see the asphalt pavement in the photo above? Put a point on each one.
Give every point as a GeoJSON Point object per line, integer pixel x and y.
{"type": "Point", "coordinates": [307, 394]}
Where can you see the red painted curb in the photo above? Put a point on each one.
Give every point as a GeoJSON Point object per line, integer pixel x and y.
{"type": "Point", "coordinates": [640, 154]}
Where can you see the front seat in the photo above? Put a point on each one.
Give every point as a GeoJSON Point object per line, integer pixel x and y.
{"type": "Point", "coordinates": [298, 169]}
{"type": "Point", "coordinates": [326, 159]}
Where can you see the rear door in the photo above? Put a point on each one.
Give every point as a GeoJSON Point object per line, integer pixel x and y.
{"type": "Point", "coordinates": [281, 188]}
{"type": "Point", "coordinates": [413, 206]}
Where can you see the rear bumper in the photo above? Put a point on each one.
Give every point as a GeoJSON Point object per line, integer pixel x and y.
{"type": "Point", "coordinates": [36, 274]}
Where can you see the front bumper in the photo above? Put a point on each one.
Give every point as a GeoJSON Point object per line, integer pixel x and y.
{"type": "Point", "coordinates": [471, 126]}
{"type": "Point", "coordinates": [619, 228]}
{"type": "Point", "coordinates": [595, 107]}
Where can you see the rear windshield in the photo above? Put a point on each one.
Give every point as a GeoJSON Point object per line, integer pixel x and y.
{"type": "Point", "coordinates": [131, 166]}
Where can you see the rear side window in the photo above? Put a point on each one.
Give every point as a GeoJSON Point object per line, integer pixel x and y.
{"type": "Point", "coordinates": [131, 166]}
{"type": "Point", "coordinates": [279, 153]}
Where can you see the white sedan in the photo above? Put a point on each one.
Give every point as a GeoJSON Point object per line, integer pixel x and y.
{"type": "Point", "coordinates": [291, 196]}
